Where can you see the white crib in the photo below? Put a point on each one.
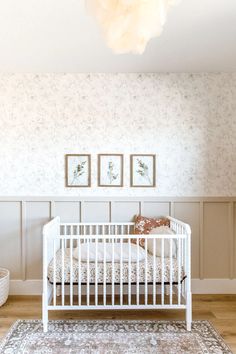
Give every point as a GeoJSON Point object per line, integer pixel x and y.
{"type": "Point", "coordinates": [71, 282]}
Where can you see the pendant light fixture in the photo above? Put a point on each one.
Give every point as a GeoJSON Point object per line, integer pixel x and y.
{"type": "Point", "coordinates": [128, 25]}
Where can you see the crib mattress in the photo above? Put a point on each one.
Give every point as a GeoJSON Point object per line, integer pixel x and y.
{"type": "Point", "coordinates": [116, 270]}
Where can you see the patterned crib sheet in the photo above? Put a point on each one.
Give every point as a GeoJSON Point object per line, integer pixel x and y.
{"type": "Point", "coordinates": [116, 270]}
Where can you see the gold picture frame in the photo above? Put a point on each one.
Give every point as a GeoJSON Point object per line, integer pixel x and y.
{"type": "Point", "coordinates": [143, 170]}
{"type": "Point", "coordinates": [110, 169]}
{"type": "Point", "coordinates": [78, 170]}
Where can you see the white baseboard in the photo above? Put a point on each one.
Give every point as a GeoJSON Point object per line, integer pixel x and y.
{"type": "Point", "coordinates": [205, 286]}
{"type": "Point", "coordinates": [26, 287]}
{"type": "Point", "coordinates": [214, 286]}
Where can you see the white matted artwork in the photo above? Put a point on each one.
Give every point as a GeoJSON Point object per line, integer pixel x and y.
{"type": "Point", "coordinates": [110, 170]}
{"type": "Point", "coordinates": [78, 170]}
{"type": "Point", "coordinates": [142, 170]}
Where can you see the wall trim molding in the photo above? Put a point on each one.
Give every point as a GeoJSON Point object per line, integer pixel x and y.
{"type": "Point", "coordinates": [219, 199]}
{"type": "Point", "coordinates": [205, 286]}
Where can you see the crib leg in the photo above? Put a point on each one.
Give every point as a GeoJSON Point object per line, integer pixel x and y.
{"type": "Point", "coordinates": [45, 314]}
{"type": "Point", "coordinates": [189, 311]}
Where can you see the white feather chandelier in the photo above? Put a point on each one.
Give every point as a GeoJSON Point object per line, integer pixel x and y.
{"type": "Point", "coordinates": [128, 25]}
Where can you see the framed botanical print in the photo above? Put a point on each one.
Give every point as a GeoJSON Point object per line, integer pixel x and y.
{"type": "Point", "coordinates": [142, 170]}
{"type": "Point", "coordinates": [110, 170]}
{"type": "Point", "coordinates": [78, 170]}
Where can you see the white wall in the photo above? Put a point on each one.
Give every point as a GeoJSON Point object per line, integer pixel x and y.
{"type": "Point", "coordinates": [189, 121]}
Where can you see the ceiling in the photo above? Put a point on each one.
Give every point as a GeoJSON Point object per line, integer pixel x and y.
{"type": "Point", "coordinates": [59, 36]}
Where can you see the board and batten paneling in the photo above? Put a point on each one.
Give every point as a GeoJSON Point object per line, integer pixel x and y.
{"type": "Point", "coordinates": [68, 211]}
{"type": "Point", "coordinates": [212, 220]}
{"type": "Point", "coordinates": [36, 214]}
{"type": "Point", "coordinates": [190, 213]}
{"type": "Point", "coordinates": [153, 209]}
{"type": "Point", "coordinates": [234, 240]}
{"type": "Point", "coordinates": [11, 238]}
{"type": "Point", "coordinates": [124, 211]}
{"type": "Point", "coordinates": [95, 211]}
{"type": "Point", "coordinates": [216, 240]}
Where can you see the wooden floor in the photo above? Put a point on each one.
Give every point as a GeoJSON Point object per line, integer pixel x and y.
{"type": "Point", "coordinates": [220, 310]}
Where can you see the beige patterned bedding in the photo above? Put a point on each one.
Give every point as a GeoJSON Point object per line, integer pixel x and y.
{"type": "Point", "coordinates": [116, 270]}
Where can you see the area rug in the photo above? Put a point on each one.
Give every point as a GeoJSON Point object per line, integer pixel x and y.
{"type": "Point", "coordinates": [112, 337]}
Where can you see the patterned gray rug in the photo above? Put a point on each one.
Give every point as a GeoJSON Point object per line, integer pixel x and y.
{"type": "Point", "coordinates": [112, 337]}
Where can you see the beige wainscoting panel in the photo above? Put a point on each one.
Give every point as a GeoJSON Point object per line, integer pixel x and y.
{"type": "Point", "coordinates": [153, 209]}
{"type": "Point", "coordinates": [37, 214]}
{"type": "Point", "coordinates": [124, 211]}
{"type": "Point", "coordinates": [234, 239]}
{"type": "Point", "coordinates": [189, 213]}
{"type": "Point", "coordinates": [96, 211]}
{"type": "Point", "coordinates": [11, 238]}
{"type": "Point", "coordinates": [68, 211]}
{"type": "Point", "coordinates": [216, 240]}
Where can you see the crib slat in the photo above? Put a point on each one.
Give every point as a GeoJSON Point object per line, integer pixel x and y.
{"type": "Point", "coordinates": [179, 271]}
{"type": "Point", "coordinates": [63, 271]}
{"type": "Point", "coordinates": [88, 274]}
{"type": "Point", "coordinates": [121, 271]}
{"type": "Point", "coordinates": [104, 271]}
{"type": "Point", "coordinates": [182, 258]}
{"type": "Point", "coordinates": [96, 269]}
{"type": "Point", "coordinates": [171, 272]}
{"type": "Point", "coordinates": [137, 281]}
{"type": "Point", "coordinates": [71, 271]}
{"type": "Point", "coordinates": [162, 272]}
{"type": "Point", "coordinates": [54, 273]}
{"type": "Point", "coordinates": [185, 258]}
{"type": "Point", "coordinates": [146, 265]}
{"type": "Point", "coordinates": [129, 275]}
{"type": "Point", "coordinates": [113, 271]}
{"type": "Point", "coordinates": [79, 270]}
{"type": "Point", "coordinates": [154, 271]}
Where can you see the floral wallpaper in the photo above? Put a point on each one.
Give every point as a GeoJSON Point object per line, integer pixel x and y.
{"type": "Point", "coordinates": [187, 120]}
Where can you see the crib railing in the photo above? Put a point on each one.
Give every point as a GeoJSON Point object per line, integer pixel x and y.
{"type": "Point", "coordinates": [156, 282]}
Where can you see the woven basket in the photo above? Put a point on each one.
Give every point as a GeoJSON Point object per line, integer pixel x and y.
{"type": "Point", "coordinates": [4, 285]}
